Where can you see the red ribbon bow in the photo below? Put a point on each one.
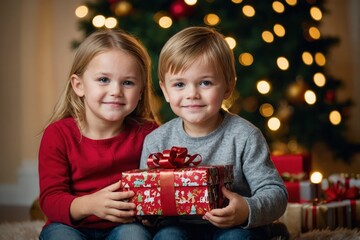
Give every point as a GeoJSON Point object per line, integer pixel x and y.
{"type": "Point", "coordinates": [337, 192]}
{"type": "Point", "coordinates": [174, 158]}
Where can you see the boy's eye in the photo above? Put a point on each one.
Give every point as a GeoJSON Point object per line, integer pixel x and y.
{"type": "Point", "coordinates": [205, 83]}
{"type": "Point", "coordinates": [104, 80]}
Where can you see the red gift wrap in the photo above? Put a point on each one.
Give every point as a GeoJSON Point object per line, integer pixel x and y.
{"type": "Point", "coordinates": [292, 164]}
{"type": "Point", "coordinates": [175, 190]}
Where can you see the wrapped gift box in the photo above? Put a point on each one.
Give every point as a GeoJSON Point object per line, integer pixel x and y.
{"type": "Point", "coordinates": [179, 191]}
{"type": "Point", "coordinates": [292, 164]}
{"type": "Point", "coordinates": [303, 217]}
{"type": "Point", "coordinates": [300, 191]}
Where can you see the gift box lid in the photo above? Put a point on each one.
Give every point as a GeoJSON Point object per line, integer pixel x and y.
{"type": "Point", "coordinates": [188, 176]}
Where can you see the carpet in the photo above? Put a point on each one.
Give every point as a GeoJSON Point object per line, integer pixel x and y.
{"type": "Point", "coordinates": [30, 230]}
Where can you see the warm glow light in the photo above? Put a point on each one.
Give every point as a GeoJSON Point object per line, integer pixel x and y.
{"type": "Point", "coordinates": [246, 59]}
{"type": "Point", "coordinates": [110, 22]}
{"type": "Point", "coordinates": [248, 11]}
{"type": "Point", "coordinates": [278, 7]}
{"type": "Point", "coordinates": [165, 22]}
{"type": "Point", "coordinates": [307, 58]}
{"type": "Point", "coordinates": [291, 2]}
{"type": "Point", "coordinates": [236, 1]}
{"type": "Point", "coordinates": [123, 8]}
{"type": "Point", "coordinates": [81, 11]}
{"type": "Point", "coordinates": [320, 59]}
{"type": "Point", "coordinates": [263, 87]}
{"type": "Point", "coordinates": [211, 19]}
{"type": "Point", "coordinates": [310, 97]}
{"type": "Point", "coordinates": [190, 2]}
{"type": "Point", "coordinates": [267, 36]}
{"type": "Point", "coordinates": [279, 30]}
{"type": "Point", "coordinates": [316, 13]}
{"type": "Point", "coordinates": [274, 124]}
{"type": "Point", "coordinates": [266, 110]}
{"type": "Point", "coordinates": [282, 63]}
{"type": "Point", "coordinates": [231, 42]}
{"type": "Point", "coordinates": [314, 32]}
{"type": "Point", "coordinates": [98, 21]}
{"type": "Point", "coordinates": [335, 117]}
{"type": "Point", "coordinates": [319, 79]}
{"type": "Point", "coordinates": [316, 177]}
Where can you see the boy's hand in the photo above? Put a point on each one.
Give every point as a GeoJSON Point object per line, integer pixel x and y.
{"type": "Point", "coordinates": [108, 203]}
{"type": "Point", "coordinates": [235, 213]}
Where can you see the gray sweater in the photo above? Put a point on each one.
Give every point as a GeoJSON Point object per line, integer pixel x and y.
{"type": "Point", "coordinates": [237, 142]}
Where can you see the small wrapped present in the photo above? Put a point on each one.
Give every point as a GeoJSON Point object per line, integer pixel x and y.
{"type": "Point", "coordinates": [300, 191]}
{"type": "Point", "coordinates": [293, 164]}
{"type": "Point", "coordinates": [175, 185]}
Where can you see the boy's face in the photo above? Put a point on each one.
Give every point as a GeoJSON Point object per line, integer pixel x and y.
{"type": "Point", "coordinates": [196, 95]}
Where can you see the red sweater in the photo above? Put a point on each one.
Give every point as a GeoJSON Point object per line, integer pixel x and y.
{"type": "Point", "coordinates": [72, 165]}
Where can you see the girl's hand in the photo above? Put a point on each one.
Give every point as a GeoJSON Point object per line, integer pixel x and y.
{"type": "Point", "coordinates": [235, 213]}
{"type": "Point", "coordinates": [108, 203]}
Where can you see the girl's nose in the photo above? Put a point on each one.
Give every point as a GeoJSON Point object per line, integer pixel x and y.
{"type": "Point", "coordinates": [115, 89]}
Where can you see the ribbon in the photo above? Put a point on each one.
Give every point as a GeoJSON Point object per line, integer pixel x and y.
{"type": "Point", "coordinates": [293, 177]}
{"type": "Point", "coordinates": [174, 158]}
{"type": "Point", "coordinates": [337, 192]}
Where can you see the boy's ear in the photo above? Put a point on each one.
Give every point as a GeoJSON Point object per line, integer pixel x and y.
{"type": "Point", "coordinates": [77, 85]}
{"type": "Point", "coordinates": [163, 89]}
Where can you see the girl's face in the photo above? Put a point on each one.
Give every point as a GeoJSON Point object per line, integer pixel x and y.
{"type": "Point", "coordinates": [196, 95]}
{"type": "Point", "coordinates": [111, 87]}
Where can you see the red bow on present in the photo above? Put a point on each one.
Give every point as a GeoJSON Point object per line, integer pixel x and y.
{"type": "Point", "coordinates": [174, 158]}
{"type": "Point", "coordinates": [337, 192]}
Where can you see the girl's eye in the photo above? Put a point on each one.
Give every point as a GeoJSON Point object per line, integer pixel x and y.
{"type": "Point", "coordinates": [104, 80]}
{"type": "Point", "coordinates": [128, 83]}
{"type": "Point", "coordinates": [179, 85]}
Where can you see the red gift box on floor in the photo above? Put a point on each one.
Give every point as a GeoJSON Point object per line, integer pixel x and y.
{"type": "Point", "coordinates": [173, 186]}
{"type": "Point", "coordinates": [181, 191]}
{"type": "Point", "coordinates": [292, 164]}
{"type": "Point", "coordinates": [300, 191]}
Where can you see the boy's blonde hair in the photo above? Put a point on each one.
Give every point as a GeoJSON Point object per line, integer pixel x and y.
{"type": "Point", "coordinates": [70, 105]}
{"type": "Point", "coordinates": [186, 46]}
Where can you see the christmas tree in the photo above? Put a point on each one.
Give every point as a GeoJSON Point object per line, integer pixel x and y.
{"type": "Point", "coordinates": [282, 83]}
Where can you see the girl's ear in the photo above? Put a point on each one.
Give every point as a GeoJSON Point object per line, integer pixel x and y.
{"type": "Point", "coordinates": [230, 89]}
{"type": "Point", "coordinates": [77, 85]}
{"type": "Point", "coordinates": [163, 89]}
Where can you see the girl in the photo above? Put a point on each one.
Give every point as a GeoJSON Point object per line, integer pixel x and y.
{"type": "Point", "coordinates": [197, 75]}
{"type": "Point", "coordinates": [95, 133]}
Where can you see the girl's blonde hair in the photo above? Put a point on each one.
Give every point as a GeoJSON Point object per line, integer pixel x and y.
{"type": "Point", "coordinates": [186, 46]}
{"type": "Point", "coordinates": [70, 105]}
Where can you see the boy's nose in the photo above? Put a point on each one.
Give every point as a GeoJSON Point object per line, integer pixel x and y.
{"type": "Point", "coordinates": [192, 91]}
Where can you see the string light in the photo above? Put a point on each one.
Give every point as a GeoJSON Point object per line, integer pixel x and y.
{"type": "Point", "coordinates": [123, 8]}
{"type": "Point", "coordinates": [320, 59]}
{"type": "Point", "coordinates": [98, 21]}
{"type": "Point", "coordinates": [279, 30]}
{"type": "Point", "coordinates": [248, 11]}
{"type": "Point", "coordinates": [319, 79]}
{"type": "Point", "coordinates": [190, 2]}
{"type": "Point", "coordinates": [316, 13]}
{"type": "Point", "coordinates": [267, 36]}
{"type": "Point", "coordinates": [236, 1]}
{"type": "Point", "coordinates": [310, 97]}
{"type": "Point", "coordinates": [282, 63]}
{"type": "Point", "coordinates": [165, 22]}
{"type": "Point", "coordinates": [314, 33]}
{"type": "Point", "coordinates": [110, 22]}
{"type": "Point", "coordinates": [246, 59]}
{"type": "Point", "coordinates": [335, 117]}
{"type": "Point", "coordinates": [263, 86]}
{"type": "Point", "coordinates": [231, 42]}
{"type": "Point", "coordinates": [307, 58]}
{"type": "Point", "coordinates": [211, 19]}
{"type": "Point", "coordinates": [291, 2]}
{"type": "Point", "coordinates": [278, 7]}
{"type": "Point", "coordinates": [266, 110]}
{"type": "Point", "coordinates": [81, 11]}
{"type": "Point", "coordinates": [274, 124]}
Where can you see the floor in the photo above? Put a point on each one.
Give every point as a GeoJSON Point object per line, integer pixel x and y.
{"type": "Point", "coordinates": [14, 213]}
